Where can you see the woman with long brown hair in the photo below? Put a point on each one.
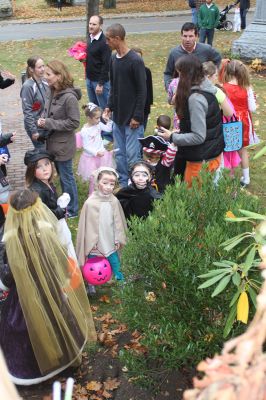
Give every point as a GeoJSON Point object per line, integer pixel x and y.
{"type": "Point", "coordinates": [33, 93]}
{"type": "Point", "coordinates": [200, 138]}
{"type": "Point", "coordinates": [61, 118]}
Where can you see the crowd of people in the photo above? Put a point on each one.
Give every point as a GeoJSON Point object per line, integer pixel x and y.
{"type": "Point", "coordinates": [45, 317]}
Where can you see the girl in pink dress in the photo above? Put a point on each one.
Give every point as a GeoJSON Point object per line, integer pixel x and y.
{"type": "Point", "coordinates": [230, 159]}
{"type": "Point", "coordinates": [236, 82]}
{"type": "Point", "coordinates": [94, 154]}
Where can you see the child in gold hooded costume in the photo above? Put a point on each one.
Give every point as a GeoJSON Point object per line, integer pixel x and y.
{"type": "Point", "coordinates": [46, 320]}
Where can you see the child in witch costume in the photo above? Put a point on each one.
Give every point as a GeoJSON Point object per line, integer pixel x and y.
{"type": "Point", "coordinates": [137, 198]}
{"type": "Point", "coordinates": [102, 225]}
{"type": "Point", "coordinates": [39, 176]}
{"type": "Point", "coordinates": [159, 154]}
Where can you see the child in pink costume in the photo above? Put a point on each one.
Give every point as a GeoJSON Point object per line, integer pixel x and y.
{"type": "Point", "coordinates": [172, 88]}
{"type": "Point", "coordinates": [94, 153]}
{"type": "Point", "coordinates": [231, 159]}
{"type": "Point", "coordinates": [236, 81]}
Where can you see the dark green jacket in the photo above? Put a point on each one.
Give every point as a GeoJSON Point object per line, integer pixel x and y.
{"type": "Point", "coordinates": [208, 17]}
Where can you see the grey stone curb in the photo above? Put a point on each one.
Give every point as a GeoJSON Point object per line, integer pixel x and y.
{"type": "Point", "coordinates": [106, 17]}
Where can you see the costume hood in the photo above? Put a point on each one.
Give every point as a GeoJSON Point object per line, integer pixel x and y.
{"type": "Point", "coordinates": [207, 86]}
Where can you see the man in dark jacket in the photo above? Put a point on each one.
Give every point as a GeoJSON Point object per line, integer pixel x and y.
{"type": "Point", "coordinates": [244, 7]}
{"type": "Point", "coordinates": [97, 63]}
{"type": "Point", "coordinates": [127, 101]}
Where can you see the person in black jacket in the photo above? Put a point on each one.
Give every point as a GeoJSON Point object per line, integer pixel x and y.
{"type": "Point", "coordinates": [244, 7]}
{"type": "Point", "coordinates": [97, 63]}
{"type": "Point", "coordinates": [4, 83]}
{"type": "Point", "coordinates": [126, 100]}
{"type": "Point", "coordinates": [149, 87]}
{"type": "Point", "coordinates": [138, 197]}
{"type": "Point", "coordinates": [39, 175]}
{"type": "Point", "coordinates": [5, 139]}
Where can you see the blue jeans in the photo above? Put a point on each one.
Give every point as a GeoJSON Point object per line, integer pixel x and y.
{"type": "Point", "coordinates": [206, 34]}
{"type": "Point", "coordinates": [194, 16]}
{"type": "Point", "coordinates": [68, 184]}
{"type": "Point", "coordinates": [243, 14]}
{"type": "Point", "coordinates": [128, 149]}
{"type": "Point", "coordinates": [98, 99]}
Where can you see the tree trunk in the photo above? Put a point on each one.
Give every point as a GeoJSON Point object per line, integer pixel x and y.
{"type": "Point", "coordinates": [92, 8]}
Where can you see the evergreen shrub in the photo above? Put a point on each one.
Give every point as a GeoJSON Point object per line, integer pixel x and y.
{"type": "Point", "coordinates": [164, 255]}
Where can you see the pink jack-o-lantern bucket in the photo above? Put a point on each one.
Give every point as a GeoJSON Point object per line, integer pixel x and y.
{"type": "Point", "coordinates": [97, 270]}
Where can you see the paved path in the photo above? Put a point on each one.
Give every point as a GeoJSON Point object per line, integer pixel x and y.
{"type": "Point", "coordinates": [12, 120]}
{"type": "Point", "coordinates": [75, 27]}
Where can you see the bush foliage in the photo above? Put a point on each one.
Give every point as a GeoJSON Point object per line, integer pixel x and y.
{"type": "Point", "coordinates": [165, 253]}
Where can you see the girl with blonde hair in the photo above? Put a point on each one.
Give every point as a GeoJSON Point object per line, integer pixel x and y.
{"type": "Point", "coordinates": [236, 81]}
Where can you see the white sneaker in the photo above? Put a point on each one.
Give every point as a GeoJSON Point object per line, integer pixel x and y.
{"type": "Point", "coordinates": [244, 182]}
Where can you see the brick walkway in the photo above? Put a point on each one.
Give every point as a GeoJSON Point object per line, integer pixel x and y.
{"type": "Point", "coordinates": [12, 120]}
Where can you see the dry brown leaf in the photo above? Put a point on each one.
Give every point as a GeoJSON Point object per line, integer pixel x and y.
{"type": "Point", "coordinates": [121, 328]}
{"type": "Point", "coordinates": [105, 299]}
{"type": "Point", "coordinates": [94, 386]}
{"type": "Point", "coordinates": [106, 395]}
{"type": "Point", "coordinates": [114, 351]}
{"type": "Point", "coordinates": [111, 384]}
{"type": "Point", "coordinates": [49, 397]}
{"type": "Point", "coordinates": [136, 334]}
{"type": "Point", "coordinates": [104, 317]}
{"type": "Point", "coordinates": [95, 397]}
{"type": "Point", "coordinates": [102, 337]}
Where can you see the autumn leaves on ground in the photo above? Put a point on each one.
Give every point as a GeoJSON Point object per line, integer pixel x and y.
{"type": "Point", "coordinates": [40, 9]}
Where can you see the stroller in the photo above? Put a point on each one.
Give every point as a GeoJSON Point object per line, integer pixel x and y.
{"type": "Point", "coordinates": [225, 24]}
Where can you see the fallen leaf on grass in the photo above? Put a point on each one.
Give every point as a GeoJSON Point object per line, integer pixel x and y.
{"type": "Point", "coordinates": [121, 328]}
{"type": "Point", "coordinates": [104, 317]}
{"type": "Point", "coordinates": [136, 334]}
{"type": "Point", "coordinates": [105, 299]}
{"type": "Point", "coordinates": [94, 308]}
{"type": "Point", "coordinates": [114, 351]}
{"type": "Point", "coordinates": [106, 338]}
{"type": "Point", "coordinates": [136, 347]}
